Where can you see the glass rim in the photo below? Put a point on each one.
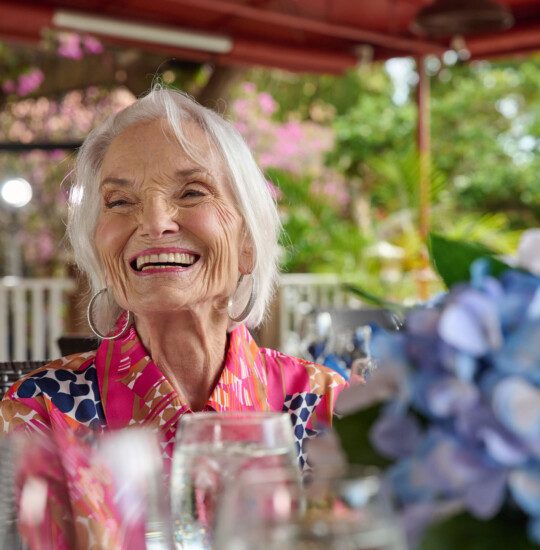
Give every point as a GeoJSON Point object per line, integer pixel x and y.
{"type": "Point", "coordinates": [232, 417]}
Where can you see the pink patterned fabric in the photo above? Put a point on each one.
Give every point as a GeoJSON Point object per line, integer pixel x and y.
{"type": "Point", "coordinates": [120, 386]}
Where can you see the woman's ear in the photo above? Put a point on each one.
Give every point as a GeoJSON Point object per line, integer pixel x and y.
{"type": "Point", "coordinates": [246, 256]}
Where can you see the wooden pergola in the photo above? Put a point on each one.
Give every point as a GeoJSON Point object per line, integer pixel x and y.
{"type": "Point", "coordinates": [322, 36]}
{"type": "Point", "coordinates": [297, 35]}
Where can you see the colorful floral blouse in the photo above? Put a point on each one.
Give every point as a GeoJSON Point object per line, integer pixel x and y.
{"type": "Point", "coordinates": [119, 385]}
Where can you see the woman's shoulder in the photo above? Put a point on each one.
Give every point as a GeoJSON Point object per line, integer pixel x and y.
{"type": "Point", "coordinates": [306, 390]}
{"type": "Point", "coordinates": [73, 369]}
{"type": "Point", "coordinates": [68, 386]}
{"type": "Point", "coordinates": [295, 369]}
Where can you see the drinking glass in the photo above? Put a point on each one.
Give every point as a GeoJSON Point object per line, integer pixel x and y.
{"type": "Point", "coordinates": [210, 450]}
{"type": "Point", "coordinates": [257, 507]}
{"type": "Point", "coordinates": [349, 511]}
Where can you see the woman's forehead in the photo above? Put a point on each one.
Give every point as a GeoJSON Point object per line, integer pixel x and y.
{"type": "Point", "coordinates": [155, 142]}
{"type": "Point", "coordinates": [150, 148]}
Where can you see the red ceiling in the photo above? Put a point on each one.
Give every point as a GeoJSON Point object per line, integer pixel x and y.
{"type": "Point", "coordinates": [299, 35]}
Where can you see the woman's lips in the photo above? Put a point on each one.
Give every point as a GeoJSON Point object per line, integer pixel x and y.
{"type": "Point", "coordinates": [163, 260]}
{"type": "Point", "coordinates": [161, 270]}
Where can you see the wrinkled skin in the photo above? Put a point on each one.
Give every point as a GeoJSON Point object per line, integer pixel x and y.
{"type": "Point", "coordinates": [153, 195]}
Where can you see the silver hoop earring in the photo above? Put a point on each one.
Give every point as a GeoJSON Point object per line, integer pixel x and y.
{"type": "Point", "coordinates": [250, 303]}
{"type": "Point", "coordinates": [92, 325]}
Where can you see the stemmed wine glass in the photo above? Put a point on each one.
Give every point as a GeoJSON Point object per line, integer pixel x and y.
{"type": "Point", "coordinates": [210, 450]}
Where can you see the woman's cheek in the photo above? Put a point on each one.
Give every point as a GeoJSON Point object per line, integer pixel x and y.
{"type": "Point", "coordinates": [228, 244]}
{"type": "Point", "coordinates": [115, 270]}
{"type": "Point", "coordinates": [110, 243]}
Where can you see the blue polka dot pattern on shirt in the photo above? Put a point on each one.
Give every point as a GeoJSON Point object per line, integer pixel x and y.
{"type": "Point", "coordinates": [75, 393]}
{"type": "Point", "coordinates": [300, 407]}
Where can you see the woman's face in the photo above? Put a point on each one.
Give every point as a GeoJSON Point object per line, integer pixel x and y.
{"type": "Point", "coordinates": [169, 236]}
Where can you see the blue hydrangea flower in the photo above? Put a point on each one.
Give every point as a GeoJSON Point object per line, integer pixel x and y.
{"type": "Point", "coordinates": [464, 424]}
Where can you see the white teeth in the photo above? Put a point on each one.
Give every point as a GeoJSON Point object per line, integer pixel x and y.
{"type": "Point", "coordinates": [176, 257]}
{"type": "Point", "coordinates": [154, 267]}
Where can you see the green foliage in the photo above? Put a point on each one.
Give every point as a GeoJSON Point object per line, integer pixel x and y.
{"type": "Point", "coordinates": [315, 97]}
{"type": "Point", "coordinates": [453, 259]}
{"type": "Point", "coordinates": [317, 237]}
{"type": "Point", "coordinates": [371, 298]}
{"type": "Point", "coordinates": [400, 171]}
{"type": "Point", "coordinates": [485, 119]}
{"type": "Point", "coordinates": [468, 533]}
{"type": "Point", "coordinates": [483, 182]}
{"type": "Point", "coordinates": [490, 229]}
{"type": "Point", "coordinates": [353, 433]}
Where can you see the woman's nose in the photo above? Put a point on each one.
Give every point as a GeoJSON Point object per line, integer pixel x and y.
{"type": "Point", "coordinates": [157, 219]}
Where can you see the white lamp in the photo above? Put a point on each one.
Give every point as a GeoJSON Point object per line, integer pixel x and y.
{"type": "Point", "coordinates": [16, 192]}
{"type": "Point", "coordinates": [140, 32]}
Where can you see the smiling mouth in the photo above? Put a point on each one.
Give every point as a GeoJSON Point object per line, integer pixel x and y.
{"type": "Point", "coordinates": [163, 261]}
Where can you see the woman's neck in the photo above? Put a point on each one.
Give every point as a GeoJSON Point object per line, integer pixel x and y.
{"type": "Point", "coordinates": [189, 348]}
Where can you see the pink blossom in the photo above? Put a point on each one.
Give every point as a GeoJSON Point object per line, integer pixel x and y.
{"type": "Point", "coordinates": [39, 248]}
{"type": "Point", "coordinates": [9, 87]}
{"type": "Point", "coordinates": [269, 160]}
{"type": "Point", "coordinates": [46, 247]}
{"type": "Point", "coordinates": [295, 146]}
{"type": "Point", "coordinates": [69, 45]}
{"type": "Point", "coordinates": [92, 45]}
{"type": "Point", "coordinates": [240, 107]}
{"type": "Point", "coordinates": [291, 130]}
{"type": "Point", "coordinates": [29, 82]}
{"type": "Point", "coordinates": [274, 190]}
{"type": "Point", "coordinates": [333, 189]}
{"type": "Point", "coordinates": [267, 103]}
{"type": "Point", "coordinates": [288, 148]}
{"type": "Point", "coordinates": [249, 87]}
{"type": "Point", "coordinates": [57, 155]}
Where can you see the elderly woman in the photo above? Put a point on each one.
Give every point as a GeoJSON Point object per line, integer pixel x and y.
{"type": "Point", "coordinates": [174, 225]}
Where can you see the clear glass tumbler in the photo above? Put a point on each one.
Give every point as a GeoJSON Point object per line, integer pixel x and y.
{"type": "Point", "coordinates": [210, 450]}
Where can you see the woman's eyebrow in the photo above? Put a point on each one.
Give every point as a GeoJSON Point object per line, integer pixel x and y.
{"type": "Point", "coordinates": [190, 172]}
{"type": "Point", "coordinates": [115, 181]}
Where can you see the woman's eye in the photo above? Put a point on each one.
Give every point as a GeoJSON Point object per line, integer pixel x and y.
{"type": "Point", "coordinates": [191, 193]}
{"type": "Point", "coordinates": [115, 203]}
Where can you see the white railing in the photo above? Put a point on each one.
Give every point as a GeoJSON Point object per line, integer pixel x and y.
{"type": "Point", "coordinates": [32, 315]}
{"type": "Point", "coordinates": [32, 312]}
{"type": "Point", "coordinates": [301, 293]}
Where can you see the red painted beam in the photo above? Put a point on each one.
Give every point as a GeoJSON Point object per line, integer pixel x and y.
{"type": "Point", "coordinates": [294, 59]}
{"type": "Point", "coordinates": [299, 23]}
{"type": "Point", "coordinates": [516, 39]}
{"type": "Point", "coordinates": [424, 157]}
{"type": "Point", "coordinates": [23, 22]}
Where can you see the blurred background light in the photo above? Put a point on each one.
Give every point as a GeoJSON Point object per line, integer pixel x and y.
{"type": "Point", "coordinates": [16, 192]}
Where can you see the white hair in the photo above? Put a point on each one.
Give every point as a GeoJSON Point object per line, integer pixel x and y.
{"type": "Point", "coordinates": [254, 200]}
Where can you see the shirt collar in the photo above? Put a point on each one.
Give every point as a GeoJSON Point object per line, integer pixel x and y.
{"type": "Point", "coordinates": [134, 390]}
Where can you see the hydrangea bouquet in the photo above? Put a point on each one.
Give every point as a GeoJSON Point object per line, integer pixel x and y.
{"type": "Point", "coordinates": [458, 431]}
